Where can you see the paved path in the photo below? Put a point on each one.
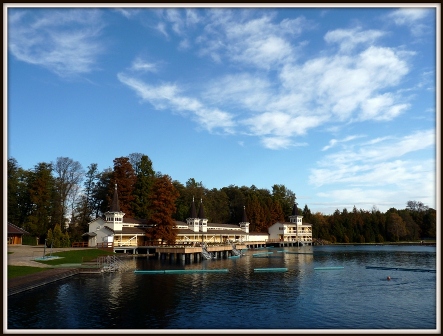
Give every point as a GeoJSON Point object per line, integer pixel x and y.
{"type": "Point", "coordinates": [24, 255]}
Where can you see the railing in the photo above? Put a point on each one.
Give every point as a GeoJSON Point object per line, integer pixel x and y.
{"type": "Point", "coordinates": [235, 251]}
{"type": "Point", "coordinates": [105, 245]}
{"type": "Point", "coordinates": [125, 243]}
{"type": "Point", "coordinates": [111, 263]}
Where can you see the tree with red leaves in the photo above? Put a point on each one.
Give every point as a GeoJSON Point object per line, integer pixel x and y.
{"type": "Point", "coordinates": [125, 178]}
{"type": "Point", "coordinates": [162, 202]}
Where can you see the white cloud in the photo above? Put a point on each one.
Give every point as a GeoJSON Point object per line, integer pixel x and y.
{"type": "Point", "coordinates": [376, 162]}
{"type": "Point", "coordinates": [128, 13]}
{"type": "Point", "coordinates": [416, 19]}
{"type": "Point", "coordinates": [65, 42]}
{"type": "Point", "coordinates": [409, 16]}
{"type": "Point", "coordinates": [334, 142]}
{"type": "Point", "coordinates": [141, 65]}
{"type": "Point", "coordinates": [276, 97]}
{"type": "Point", "coordinates": [169, 96]}
{"type": "Point", "coordinates": [348, 39]}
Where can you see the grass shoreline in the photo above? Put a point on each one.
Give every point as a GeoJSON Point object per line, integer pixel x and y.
{"type": "Point", "coordinates": [67, 257]}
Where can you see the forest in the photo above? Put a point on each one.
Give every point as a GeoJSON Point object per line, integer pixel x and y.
{"type": "Point", "coordinates": [62, 197]}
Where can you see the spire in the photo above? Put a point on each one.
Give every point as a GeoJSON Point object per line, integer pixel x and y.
{"type": "Point", "coordinates": [115, 204]}
{"type": "Point", "coordinates": [201, 211]}
{"type": "Point", "coordinates": [193, 211]}
{"type": "Point", "coordinates": [244, 218]}
{"type": "Point", "coordinates": [295, 208]}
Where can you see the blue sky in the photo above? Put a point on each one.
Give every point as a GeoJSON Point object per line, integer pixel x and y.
{"type": "Point", "coordinates": [337, 104]}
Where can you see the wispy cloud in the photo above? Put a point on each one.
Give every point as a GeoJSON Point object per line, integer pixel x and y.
{"type": "Point", "coordinates": [376, 162]}
{"type": "Point", "coordinates": [334, 142]}
{"type": "Point", "coordinates": [274, 94]}
{"type": "Point", "coordinates": [413, 18]}
{"type": "Point", "coordinates": [141, 65]}
{"type": "Point", "coordinates": [379, 172]}
{"type": "Point", "coordinates": [170, 96]}
{"type": "Point", "coordinates": [65, 42]}
{"type": "Point", "coordinates": [348, 39]}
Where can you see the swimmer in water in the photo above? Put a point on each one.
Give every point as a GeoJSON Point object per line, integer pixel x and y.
{"type": "Point", "coordinates": [388, 278]}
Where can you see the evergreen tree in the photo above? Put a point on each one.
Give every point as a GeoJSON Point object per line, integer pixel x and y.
{"type": "Point", "coordinates": [143, 187]}
{"type": "Point", "coordinates": [86, 205]}
{"type": "Point", "coordinates": [18, 196]}
{"type": "Point", "coordinates": [101, 199]}
{"type": "Point", "coordinates": [41, 193]}
{"type": "Point", "coordinates": [216, 204]}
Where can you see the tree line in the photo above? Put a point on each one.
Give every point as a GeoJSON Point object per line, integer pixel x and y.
{"type": "Point", "coordinates": [63, 195]}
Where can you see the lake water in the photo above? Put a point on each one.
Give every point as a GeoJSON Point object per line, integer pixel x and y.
{"type": "Point", "coordinates": [303, 298]}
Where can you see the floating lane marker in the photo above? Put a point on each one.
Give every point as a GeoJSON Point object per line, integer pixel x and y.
{"type": "Point", "coordinates": [276, 269]}
{"type": "Point", "coordinates": [401, 269]}
{"type": "Point", "coordinates": [150, 272]}
{"type": "Point", "coordinates": [261, 253]}
{"type": "Point", "coordinates": [328, 268]}
{"type": "Point", "coordinates": [300, 252]}
{"type": "Point", "coordinates": [223, 270]}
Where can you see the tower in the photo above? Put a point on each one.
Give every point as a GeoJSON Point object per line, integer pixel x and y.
{"type": "Point", "coordinates": [114, 217]}
{"type": "Point", "coordinates": [192, 221]}
{"type": "Point", "coordinates": [244, 224]}
{"type": "Point", "coordinates": [203, 220]}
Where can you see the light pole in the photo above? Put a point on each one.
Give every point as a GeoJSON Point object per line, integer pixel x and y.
{"type": "Point", "coordinates": [44, 248]}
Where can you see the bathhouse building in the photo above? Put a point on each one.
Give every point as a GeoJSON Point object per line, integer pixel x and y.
{"type": "Point", "coordinates": [113, 229]}
{"type": "Point", "coordinates": [293, 231]}
{"type": "Point", "coordinates": [117, 231]}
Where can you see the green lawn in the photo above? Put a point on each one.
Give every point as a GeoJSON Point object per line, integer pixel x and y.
{"type": "Point", "coordinates": [75, 257]}
{"type": "Point", "coordinates": [68, 257]}
{"type": "Point", "coordinates": [15, 271]}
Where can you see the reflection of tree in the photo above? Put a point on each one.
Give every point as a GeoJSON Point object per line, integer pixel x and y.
{"type": "Point", "coordinates": [396, 226]}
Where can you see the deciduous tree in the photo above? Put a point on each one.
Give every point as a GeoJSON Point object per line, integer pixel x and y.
{"type": "Point", "coordinates": [68, 175]}
{"type": "Point", "coordinates": [125, 178]}
{"type": "Point", "coordinates": [162, 200]}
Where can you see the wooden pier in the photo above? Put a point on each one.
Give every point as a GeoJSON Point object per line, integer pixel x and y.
{"type": "Point", "coordinates": [194, 253]}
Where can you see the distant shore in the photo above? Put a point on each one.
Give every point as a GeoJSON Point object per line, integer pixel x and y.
{"type": "Point", "coordinates": [430, 243]}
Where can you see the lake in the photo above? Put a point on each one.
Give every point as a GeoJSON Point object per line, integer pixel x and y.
{"type": "Point", "coordinates": [347, 295]}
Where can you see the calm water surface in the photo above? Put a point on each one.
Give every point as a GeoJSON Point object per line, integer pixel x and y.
{"type": "Point", "coordinates": [353, 297]}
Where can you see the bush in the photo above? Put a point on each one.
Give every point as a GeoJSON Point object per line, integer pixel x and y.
{"type": "Point", "coordinates": [57, 238]}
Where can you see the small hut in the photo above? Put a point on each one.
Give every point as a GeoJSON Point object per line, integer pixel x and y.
{"type": "Point", "coordinates": [15, 234]}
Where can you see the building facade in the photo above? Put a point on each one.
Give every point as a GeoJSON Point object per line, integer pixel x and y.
{"type": "Point", "coordinates": [113, 229]}
{"type": "Point", "coordinates": [293, 231]}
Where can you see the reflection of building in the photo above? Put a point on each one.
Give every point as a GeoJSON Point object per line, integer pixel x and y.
{"type": "Point", "coordinates": [116, 230]}
{"type": "Point", "coordinates": [15, 234]}
{"type": "Point", "coordinates": [293, 231]}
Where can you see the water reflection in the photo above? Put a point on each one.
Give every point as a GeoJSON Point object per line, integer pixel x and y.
{"type": "Point", "coordinates": [301, 298]}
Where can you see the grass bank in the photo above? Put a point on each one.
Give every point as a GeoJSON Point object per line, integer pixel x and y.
{"type": "Point", "coordinates": [75, 257]}
{"type": "Point", "coordinates": [66, 257]}
{"type": "Point", "coordinates": [16, 271]}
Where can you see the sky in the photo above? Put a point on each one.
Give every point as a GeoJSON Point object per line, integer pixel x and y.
{"type": "Point", "coordinates": [337, 104]}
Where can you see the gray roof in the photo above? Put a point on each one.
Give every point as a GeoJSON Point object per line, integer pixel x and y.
{"type": "Point", "coordinates": [90, 234]}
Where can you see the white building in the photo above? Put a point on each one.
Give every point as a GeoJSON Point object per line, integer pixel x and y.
{"type": "Point", "coordinates": [114, 230]}
{"type": "Point", "coordinates": [293, 231]}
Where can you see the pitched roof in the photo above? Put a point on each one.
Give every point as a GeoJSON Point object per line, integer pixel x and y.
{"type": "Point", "coordinates": [193, 211]}
{"type": "Point", "coordinates": [244, 218]}
{"type": "Point", "coordinates": [295, 209]}
{"type": "Point", "coordinates": [14, 229]}
{"type": "Point", "coordinates": [201, 211]}
{"type": "Point", "coordinates": [115, 207]}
